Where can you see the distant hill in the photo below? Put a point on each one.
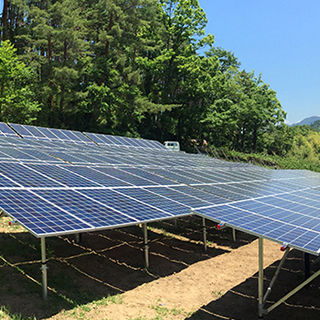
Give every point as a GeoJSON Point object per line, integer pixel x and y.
{"type": "Point", "coordinates": [306, 121]}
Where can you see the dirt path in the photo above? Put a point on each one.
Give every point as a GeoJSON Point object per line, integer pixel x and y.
{"type": "Point", "coordinates": [189, 289]}
{"type": "Point", "coordinates": [103, 276]}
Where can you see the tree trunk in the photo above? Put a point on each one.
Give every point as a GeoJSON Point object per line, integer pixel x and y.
{"type": "Point", "coordinates": [5, 20]}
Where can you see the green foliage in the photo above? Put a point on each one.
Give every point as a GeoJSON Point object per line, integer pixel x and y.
{"type": "Point", "coordinates": [16, 95]}
{"type": "Point", "coordinates": [315, 125]}
{"type": "Point", "coordinates": [142, 68]}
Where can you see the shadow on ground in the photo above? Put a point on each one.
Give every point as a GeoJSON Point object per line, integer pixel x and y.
{"type": "Point", "coordinates": [241, 303]}
{"type": "Point", "coordinates": [103, 264]}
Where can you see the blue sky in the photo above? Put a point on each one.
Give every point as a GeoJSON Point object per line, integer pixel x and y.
{"type": "Point", "coordinates": [280, 39]}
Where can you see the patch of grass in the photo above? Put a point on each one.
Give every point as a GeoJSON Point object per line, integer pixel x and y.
{"type": "Point", "coordinates": [117, 299]}
{"type": "Point", "coordinates": [175, 311]}
{"type": "Point", "coordinates": [5, 313]}
{"type": "Point", "coordinates": [85, 308]}
{"type": "Point", "coordinates": [161, 311]}
{"type": "Point", "coordinates": [217, 293]}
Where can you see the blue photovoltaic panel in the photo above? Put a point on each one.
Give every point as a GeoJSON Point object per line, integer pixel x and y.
{"type": "Point", "coordinates": [5, 141]}
{"type": "Point", "coordinates": [209, 197]}
{"type": "Point", "coordinates": [136, 160]}
{"type": "Point", "coordinates": [150, 176]}
{"type": "Point", "coordinates": [106, 159]}
{"type": "Point", "coordinates": [17, 154]}
{"type": "Point", "coordinates": [191, 175]}
{"type": "Point", "coordinates": [39, 216]}
{"type": "Point", "coordinates": [88, 210]}
{"type": "Point", "coordinates": [215, 175]}
{"type": "Point", "coordinates": [133, 208]}
{"type": "Point", "coordinates": [47, 133]}
{"type": "Point", "coordinates": [96, 137]}
{"type": "Point", "coordinates": [133, 142]}
{"type": "Point", "coordinates": [22, 130]}
{"type": "Point", "coordinates": [26, 177]}
{"type": "Point", "coordinates": [223, 192]}
{"type": "Point", "coordinates": [35, 154]}
{"type": "Point", "coordinates": [76, 136]}
{"type": "Point", "coordinates": [182, 198]}
{"type": "Point", "coordinates": [107, 139]}
{"type": "Point", "coordinates": [6, 131]}
{"type": "Point", "coordinates": [171, 175]}
{"type": "Point", "coordinates": [296, 224]}
{"type": "Point", "coordinates": [4, 156]}
{"type": "Point", "coordinates": [6, 182]}
{"type": "Point", "coordinates": [127, 180]}
{"type": "Point", "coordinates": [35, 132]}
{"type": "Point", "coordinates": [66, 156]}
{"type": "Point", "coordinates": [125, 176]}
{"type": "Point", "coordinates": [85, 158]}
{"type": "Point", "coordinates": [64, 176]}
{"type": "Point", "coordinates": [157, 201]}
{"type": "Point", "coordinates": [97, 176]}
{"type": "Point", "coordinates": [60, 134]}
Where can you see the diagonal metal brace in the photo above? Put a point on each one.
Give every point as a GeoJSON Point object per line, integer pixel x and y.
{"type": "Point", "coordinates": [291, 293]}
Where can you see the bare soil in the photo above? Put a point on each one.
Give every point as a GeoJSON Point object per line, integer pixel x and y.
{"type": "Point", "coordinates": [103, 276]}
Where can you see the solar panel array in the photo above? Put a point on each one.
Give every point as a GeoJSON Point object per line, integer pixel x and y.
{"type": "Point", "coordinates": [56, 182]}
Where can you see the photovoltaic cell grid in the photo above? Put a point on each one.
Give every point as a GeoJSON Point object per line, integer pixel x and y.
{"type": "Point", "coordinates": [126, 181]}
{"type": "Point", "coordinates": [6, 131]}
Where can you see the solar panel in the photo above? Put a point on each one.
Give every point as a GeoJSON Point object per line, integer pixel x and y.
{"type": "Point", "coordinates": [6, 131]}
{"type": "Point", "coordinates": [180, 197]}
{"type": "Point", "coordinates": [174, 176]}
{"type": "Point", "coordinates": [25, 176]}
{"type": "Point", "coordinates": [39, 216]}
{"type": "Point", "coordinates": [296, 223]}
{"type": "Point", "coordinates": [131, 207]}
{"type": "Point", "coordinates": [157, 201]}
{"type": "Point", "coordinates": [63, 175]}
{"type": "Point", "coordinates": [150, 176]}
{"type": "Point", "coordinates": [22, 130]}
{"type": "Point", "coordinates": [125, 176]}
{"type": "Point", "coordinates": [35, 132]}
{"type": "Point", "coordinates": [98, 176]}
{"type": "Point", "coordinates": [206, 196]}
{"type": "Point", "coordinates": [104, 139]}
{"type": "Point", "coordinates": [126, 180]}
{"type": "Point", "coordinates": [89, 211]}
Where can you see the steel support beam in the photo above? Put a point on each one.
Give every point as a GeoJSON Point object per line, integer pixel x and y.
{"type": "Point", "coordinates": [306, 265]}
{"type": "Point", "coordinates": [283, 259]}
{"type": "Point", "coordinates": [44, 269]}
{"type": "Point", "coordinates": [260, 278]}
{"type": "Point", "coordinates": [234, 234]}
{"type": "Point", "coordinates": [291, 293]}
{"type": "Point", "coordinates": [204, 234]}
{"type": "Point", "coordinates": [146, 247]}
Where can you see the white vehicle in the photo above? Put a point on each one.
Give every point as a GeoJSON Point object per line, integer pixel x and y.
{"type": "Point", "coordinates": [172, 145]}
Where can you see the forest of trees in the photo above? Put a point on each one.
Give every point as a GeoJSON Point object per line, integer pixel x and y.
{"type": "Point", "coordinates": [141, 68]}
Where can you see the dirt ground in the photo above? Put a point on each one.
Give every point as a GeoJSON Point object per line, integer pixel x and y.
{"type": "Point", "coordinates": [103, 276]}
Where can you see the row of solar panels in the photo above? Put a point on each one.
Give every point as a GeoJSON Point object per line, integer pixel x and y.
{"type": "Point", "coordinates": [50, 134]}
{"type": "Point", "coordinates": [52, 187]}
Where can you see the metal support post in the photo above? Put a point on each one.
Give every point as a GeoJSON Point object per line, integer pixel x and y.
{"type": "Point", "coordinates": [204, 234]}
{"type": "Point", "coordinates": [44, 269]}
{"type": "Point", "coordinates": [175, 223]}
{"type": "Point", "coordinates": [78, 237]}
{"type": "Point", "coordinates": [234, 234]}
{"type": "Point", "coordinates": [283, 259]}
{"type": "Point", "coordinates": [260, 279]}
{"type": "Point", "coordinates": [306, 265]}
{"type": "Point", "coordinates": [146, 247]}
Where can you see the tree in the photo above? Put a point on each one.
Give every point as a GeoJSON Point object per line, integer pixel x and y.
{"type": "Point", "coordinates": [17, 103]}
